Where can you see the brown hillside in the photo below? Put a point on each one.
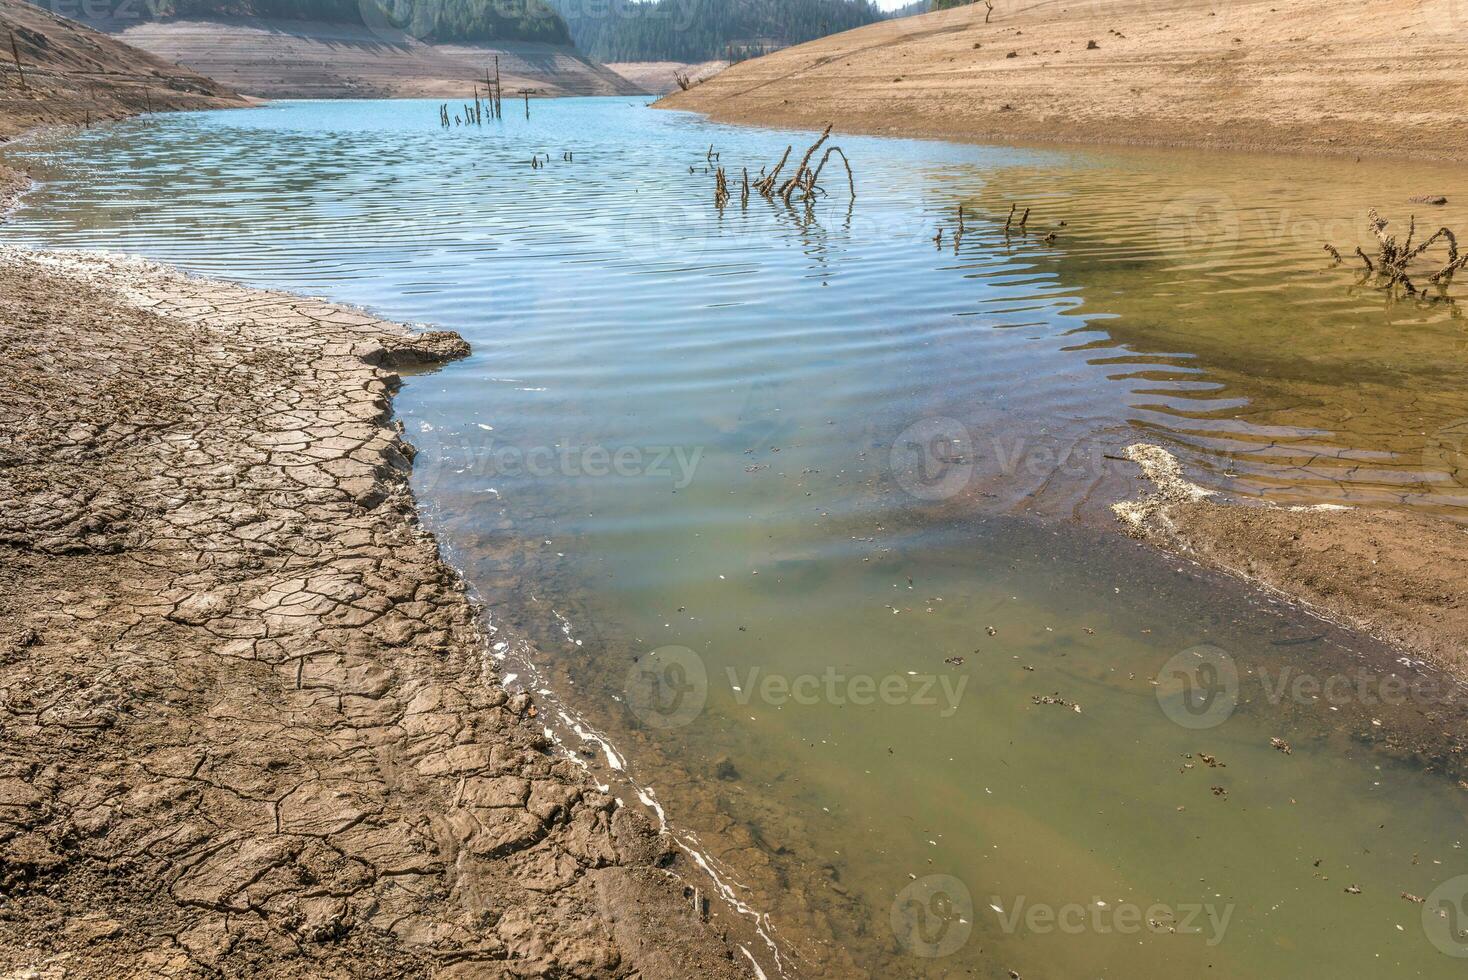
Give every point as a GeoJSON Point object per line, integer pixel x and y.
{"type": "Point", "coordinates": [1387, 78]}
{"type": "Point", "coordinates": [310, 59]}
{"type": "Point", "coordinates": [73, 73]}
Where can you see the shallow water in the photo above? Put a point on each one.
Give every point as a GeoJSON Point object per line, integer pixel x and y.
{"type": "Point", "coordinates": [738, 487]}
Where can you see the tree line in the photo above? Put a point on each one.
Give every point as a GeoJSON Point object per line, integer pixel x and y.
{"type": "Point", "coordinates": [704, 30]}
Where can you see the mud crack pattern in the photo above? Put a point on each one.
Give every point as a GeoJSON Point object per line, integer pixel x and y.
{"type": "Point", "coordinates": [247, 721]}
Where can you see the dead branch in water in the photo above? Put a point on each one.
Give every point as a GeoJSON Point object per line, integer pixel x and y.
{"type": "Point", "coordinates": [805, 180]}
{"type": "Point", "coordinates": [794, 182]}
{"type": "Point", "coordinates": [1391, 268]}
{"type": "Point", "coordinates": [815, 177]}
{"type": "Point", "coordinates": [766, 186]}
{"type": "Point", "coordinates": [721, 189]}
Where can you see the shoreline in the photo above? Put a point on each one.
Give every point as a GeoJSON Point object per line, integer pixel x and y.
{"type": "Point", "coordinates": [1073, 141]}
{"type": "Point", "coordinates": [238, 665]}
{"type": "Point", "coordinates": [1398, 577]}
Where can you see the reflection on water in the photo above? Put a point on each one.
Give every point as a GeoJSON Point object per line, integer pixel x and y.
{"type": "Point", "coordinates": [768, 497]}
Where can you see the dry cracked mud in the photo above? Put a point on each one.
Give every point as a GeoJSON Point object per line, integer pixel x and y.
{"type": "Point", "coordinates": [248, 726]}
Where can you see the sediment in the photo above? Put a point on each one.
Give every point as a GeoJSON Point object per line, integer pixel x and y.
{"type": "Point", "coordinates": [1398, 576]}
{"type": "Point", "coordinates": [249, 719]}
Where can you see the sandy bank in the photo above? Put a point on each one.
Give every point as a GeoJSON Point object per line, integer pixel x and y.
{"type": "Point", "coordinates": [1398, 576]}
{"type": "Point", "coordinates": [73, 75]}
{"type": "Point", "coordinates": [305, 59]}
{"type": "Point", "coordinates": [249, 724]}
{"type": "Point", "coordinates": [1329, 76]}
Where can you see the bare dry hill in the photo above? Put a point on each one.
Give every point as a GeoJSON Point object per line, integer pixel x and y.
{"type": "Point", "coordinates": [69, 73]}
{"type": "Point", "coordinates": [1387, 78]}
{"type": "Point", "coordinates": [312, 59]}
{"type": "Point", "coordinates": [661, 77]}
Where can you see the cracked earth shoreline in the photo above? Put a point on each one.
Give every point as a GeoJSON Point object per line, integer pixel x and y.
{"type": "Point", "coordinates": [248, 721]}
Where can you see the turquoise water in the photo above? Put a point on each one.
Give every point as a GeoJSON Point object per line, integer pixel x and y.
{"type": "Point", "coordinates": [777, 507]}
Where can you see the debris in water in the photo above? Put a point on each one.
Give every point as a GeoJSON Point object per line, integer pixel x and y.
{"type": "Point", "coordinates": [1353, 889]}
{"type": "Point", "coordinates": [1056, 699]}
{"type": "Point", "coordinates": [1281, 744]}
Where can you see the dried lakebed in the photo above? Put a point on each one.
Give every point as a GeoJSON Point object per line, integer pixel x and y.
{"type": "Point", "coordinates": [775, 512]}
{"type": "Point", "coordinates": [247, 726]}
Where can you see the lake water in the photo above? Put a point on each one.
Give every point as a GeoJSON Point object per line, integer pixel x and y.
{"type": "Point", "coordinates": [796, 518]}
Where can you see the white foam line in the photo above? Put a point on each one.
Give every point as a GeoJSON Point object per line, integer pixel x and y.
{"type": "Point", "coordinates": [763, 926]}
{"type": "Point", "coordinates": [754, 963]}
